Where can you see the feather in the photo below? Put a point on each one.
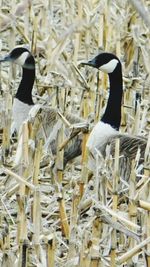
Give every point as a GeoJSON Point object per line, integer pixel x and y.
{"type": "Point", "coordinates": [48, 122]}
{"type": "Point", "coordinates": [106, 131]}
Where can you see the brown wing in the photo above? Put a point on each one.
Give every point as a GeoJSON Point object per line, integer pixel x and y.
{"type": "Point", "coordinates": [49, 119]}
{"type": "Point", "coordinates": [129, 145]}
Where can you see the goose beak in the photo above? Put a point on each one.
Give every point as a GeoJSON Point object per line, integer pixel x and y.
{"type": "Point", "coordinates": [6, 58]}
{"type": "Point", "coordinates": [91, 63]}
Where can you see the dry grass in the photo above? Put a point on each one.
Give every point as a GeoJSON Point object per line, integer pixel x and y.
{"type": "Point", "coordinates": [64, 219]}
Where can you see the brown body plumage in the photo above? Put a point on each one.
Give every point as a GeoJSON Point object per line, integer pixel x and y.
{"type": "Point", "coordinates": [48, 127]}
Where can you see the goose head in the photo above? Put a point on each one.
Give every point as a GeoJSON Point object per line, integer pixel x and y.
{"type": "Point", "coordinates": [104, 61]}
{"type": "Point", "coordinates": [20, 56]}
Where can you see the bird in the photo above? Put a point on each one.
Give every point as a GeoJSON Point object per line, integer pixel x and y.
{"type": "Point", "coordinates": [106, 131]}
{"type": "Point", "coordinates": [23, 100]}
{"type": "Point", "coordinates": [23, 104]}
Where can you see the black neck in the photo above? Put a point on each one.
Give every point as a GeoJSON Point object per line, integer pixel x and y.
{"type": "Point", "coordinates": [112, 114]}
{"type": "Point", "coordinates": [24, 92]}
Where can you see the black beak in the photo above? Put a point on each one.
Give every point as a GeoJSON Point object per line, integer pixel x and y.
{"type": "Point", "coordinates": [91, 63]}
{"type": "Point", "coordinates": [6, 58]}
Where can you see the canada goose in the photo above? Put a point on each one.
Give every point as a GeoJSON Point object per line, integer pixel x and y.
{"type": "Point", "coordinates": [23, 103]}
{"type": "Point", "coordinates": [106, 131]}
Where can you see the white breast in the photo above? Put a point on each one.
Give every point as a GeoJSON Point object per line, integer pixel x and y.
{"type": "Point", "coordinates": [99, 135]}
{"type": "Point", "coordinates": [20, 112]}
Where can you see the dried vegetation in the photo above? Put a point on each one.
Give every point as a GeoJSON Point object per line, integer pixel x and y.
{"type": "Point", "coordinates": [66, 219]}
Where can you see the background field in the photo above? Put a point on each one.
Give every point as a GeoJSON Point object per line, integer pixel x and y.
{"type": "Point", "coordinates": [74, 221]}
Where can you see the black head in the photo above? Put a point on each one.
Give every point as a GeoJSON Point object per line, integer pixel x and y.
{"type": "Point", "coordinates": [21, 56]}
{"type": "Point", "coordinates": [106, 62]}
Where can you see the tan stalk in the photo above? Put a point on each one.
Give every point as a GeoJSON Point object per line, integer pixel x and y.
{"type": "Point", "coordinates": [34, 34]}
{"type": "Point", "coordinates": [147, 216]}
{"type": "Point", "coordinates": [37, 199]}
{"type": "Point", "coordinates": [21, 196]}
{"type": "Point", "coordinates": [84, 173]}
{"type": "Point", "coordinates": [133, 251]}
{"type": "Point", "coordinates": [72, 252]}
{"type": "Point", "coordinates": [95, 248]}
{"type": "Point", "coordinates": [51, 252]}
{"type": "Point", "coordinates": [63, 216]}
{"type": "Point", "coordinates": [115, 202]}
{"type": "Point", "coordinates": [132, 206]}
{"type": "Point", "coordinates": [84, 251]}
{"type": "Point", "coordinates": [6, 122]}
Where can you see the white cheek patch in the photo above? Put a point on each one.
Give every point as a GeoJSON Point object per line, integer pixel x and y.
{"type": "Point", "coordinates": [110, 66]}
{"type": "Point", "coordinates": [21, 60]}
